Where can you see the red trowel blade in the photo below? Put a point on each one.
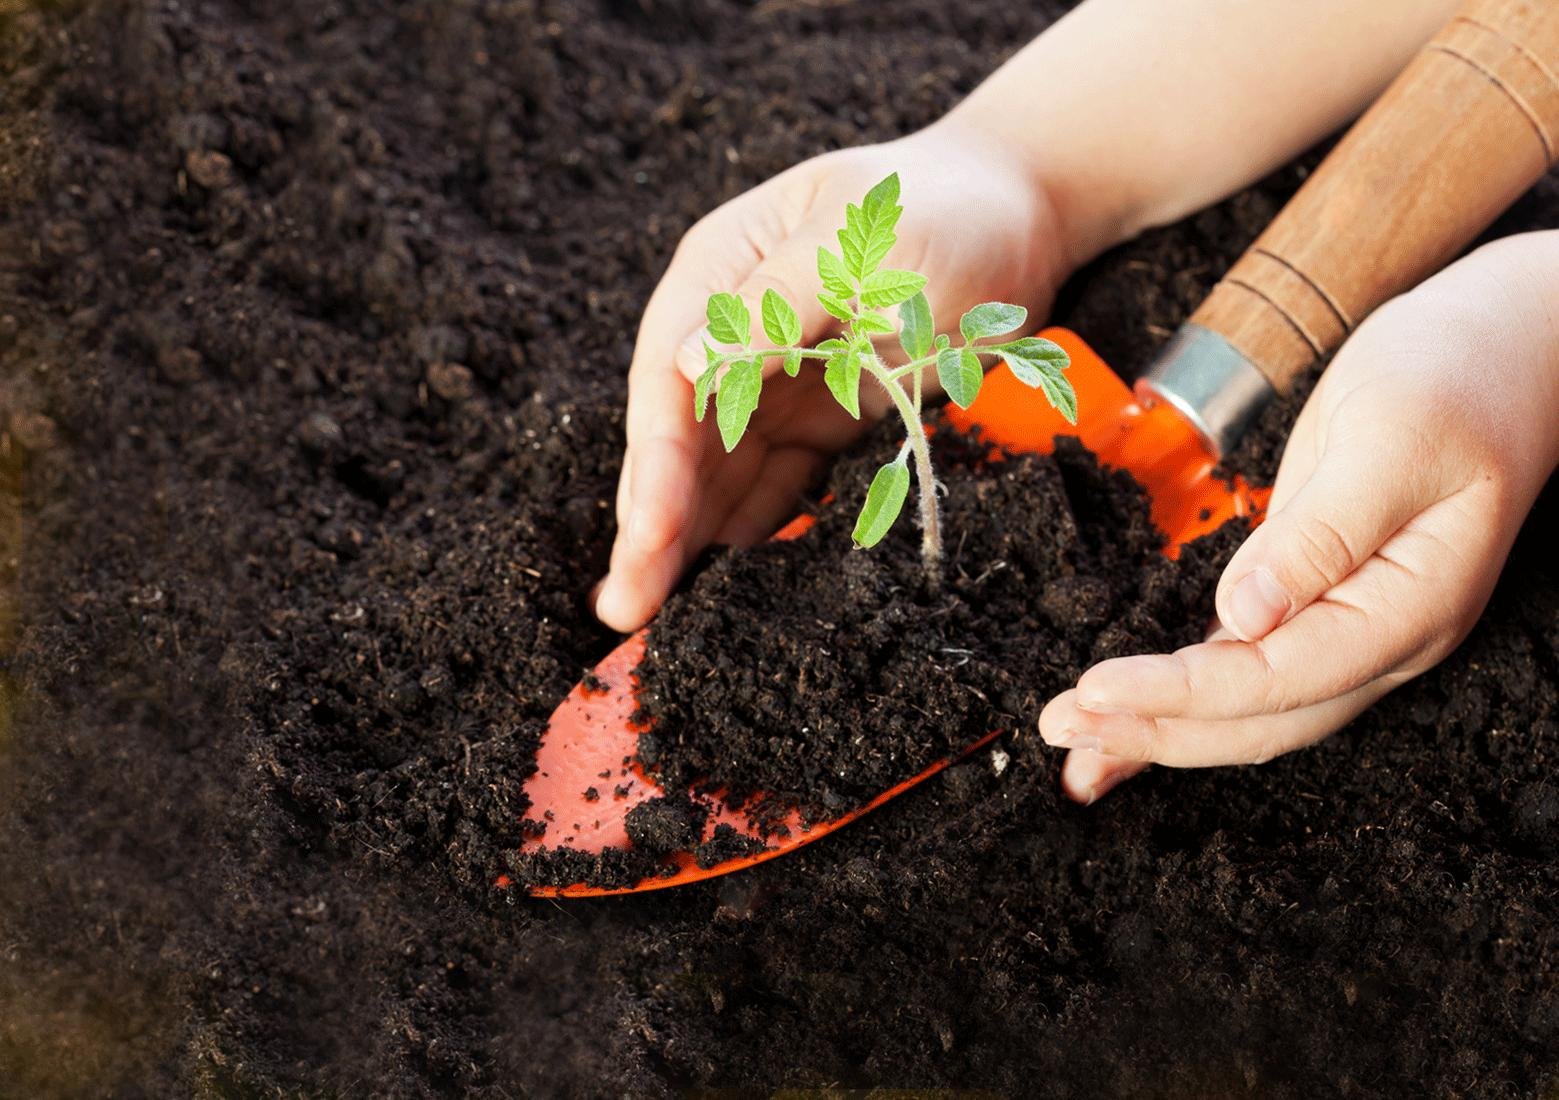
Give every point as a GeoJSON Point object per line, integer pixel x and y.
{"type": "Point", "coordinates": [591, 742]}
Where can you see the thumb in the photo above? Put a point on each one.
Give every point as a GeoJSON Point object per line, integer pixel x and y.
{"type": "Point", "coordinates": [790, 270]}
{"type": "Point", "coordinates": [1357, 496]}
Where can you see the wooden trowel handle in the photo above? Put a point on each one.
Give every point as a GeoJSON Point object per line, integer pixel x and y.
{"type": "Point", "coordinates": [1469, 125]}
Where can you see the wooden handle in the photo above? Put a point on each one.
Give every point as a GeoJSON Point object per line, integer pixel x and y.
{"type": "Point", "coordinates": [1469, 125]}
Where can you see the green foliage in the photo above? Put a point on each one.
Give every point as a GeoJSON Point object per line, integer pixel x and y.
{"type": "Point", "coordinates": [856, 291]}
{"type": "Point", "coordinates": [959, 371]}
{"type": "Point", "coordinates": [884, 502]}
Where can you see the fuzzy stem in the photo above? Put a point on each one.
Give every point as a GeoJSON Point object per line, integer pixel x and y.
{"type": "Point", "coordinates": [920, 447]}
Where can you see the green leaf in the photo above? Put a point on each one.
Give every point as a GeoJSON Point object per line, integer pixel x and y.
{"type": "Point", "coordinates": [833, 343]}
{"type": "Point", "coordinates": [943, 341]}
{"type": "Point", "coordinates": [873, 322]}
{"type": "Point", "coordinates": [729, 321]}
{"type": "Point", "coordinates": [890, 287]}
{"type": "Point", "coordinates": [839, 308]}
{"type": "Point", "coordinates": [852, 241]}
{"type": "Point", "coordinates": [1038, 363]}
{"type": "Point", "coordinates": [793, 362]}
{"type": "Point", "coordinates": [878, 245]}
{"type": "Point", "coordinates": [867, 235]}
{"type": "Point", "coordinates": [780, 322]}
{"type": "Point", "coordinates": [884, 195]}
{"type": "Point", "coordinates": [830, 269]}
{"type": "Point", "coordinates": [704, 381]}
{"type": "Point", "coordinates": [991, 319]}
{"type": "Point", "coordinates": [915, 325]}
{"type": "Point", "coordinates": [1059, 392]}
{"type": "Point", "coordinates": [959, 371]}
{"type": "Point", "coordinates": [884, 502]}
{"type": "Point", "coordinates": [842, 374]}
{"type": "Point", "coordinates": [737, 399]}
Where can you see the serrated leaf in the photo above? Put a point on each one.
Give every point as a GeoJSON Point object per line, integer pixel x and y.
{"type": "Point", "coordinates": [873, 322]}
{"type": "Point", "coordinates": [1032, 357]}
{"type": "Point", "coordinates": [877, 246]}
{"type": "Point", "coordinates": [1038, 363]}
{"type": "Point", "coordinates": [839, 308]}
{"type": "Point", "coordinates": [884, 501]}
{"type": "Point", "coordinates": [703, 383]}
{"type": "Point", "coordinates": [1059, 392]}
{"type": "Point", "coordinates": [916, 328]}
{"type": "Point", "coordinates": [793, 362]}
{"type": "Point", "coordinates": [842, 374]}
{"type": "Point", "coordinates": [729, 321]}
{"type": "Point", "coordinates": [991, 319]}
{"type": "Point", "coordinates": [883, 195]}
{"type": "Point", "coordinates": [867, 235]}
{"type": "Point", "coordinates": [737, 399]}
{"type": "Point", "coordinates": [890, 287]}
{"type": "Point", "coordinates": [831, 270]}
{"type": "Point", "coordinates": [959, 371]}
{"type": "Point", "coordinates": [780, 322]}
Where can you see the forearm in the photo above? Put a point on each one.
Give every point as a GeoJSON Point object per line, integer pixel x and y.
{"type": "Point", "coordinates": [1134, 113]}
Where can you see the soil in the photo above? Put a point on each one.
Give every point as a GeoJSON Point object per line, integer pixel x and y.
{"type": "Point", "coordinates": [822, 676]}
{"type": "Point", "coordinates": [313, 335]}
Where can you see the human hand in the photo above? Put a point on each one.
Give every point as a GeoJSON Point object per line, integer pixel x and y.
{"type": "Point", "coordinates": [976, 222]}
{"type": "Point", "coordinates": [1402, 487]}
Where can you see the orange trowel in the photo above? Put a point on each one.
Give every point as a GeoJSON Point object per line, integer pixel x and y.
{"type": "Point", "coordinates": [1464, 131]}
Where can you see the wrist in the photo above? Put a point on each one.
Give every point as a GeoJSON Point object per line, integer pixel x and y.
{"type": "Point", "coordinates": [1052, 241]}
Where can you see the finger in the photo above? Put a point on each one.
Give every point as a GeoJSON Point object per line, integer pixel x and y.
{"type": "Point", "coordinates": [1380, 619]}
{"type": "Point", "coordinates": [1127, 743]}
{"type": "Point", "coordinates": [790, 270]}
{"type": "Point", "coordinates": [1357, 496]}
{"type": "Point", "coordinates": [1088, 775]}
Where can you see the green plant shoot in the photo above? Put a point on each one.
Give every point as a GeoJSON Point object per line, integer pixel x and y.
{"type": "Point", "coordinates": [858, 290]}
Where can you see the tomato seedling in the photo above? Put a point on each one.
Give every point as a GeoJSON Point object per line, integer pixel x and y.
{"type": "Point", "coordinates": [856, 290]}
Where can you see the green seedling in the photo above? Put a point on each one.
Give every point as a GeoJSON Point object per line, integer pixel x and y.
{"type": "Point", "coordinates": [857, 290]}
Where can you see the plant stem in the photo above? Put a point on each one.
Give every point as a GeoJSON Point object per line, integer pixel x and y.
{"type": "Point", "coordinates": [920, 447]}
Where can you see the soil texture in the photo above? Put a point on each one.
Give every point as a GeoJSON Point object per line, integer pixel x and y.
{"type": "Point", "coordinates": [314, 327]}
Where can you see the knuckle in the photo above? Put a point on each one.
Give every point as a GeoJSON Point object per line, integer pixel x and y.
{"type": "Point", "coordinates": [1323, 550]}
{"type": "Point", "coordinates": [1275, 694]}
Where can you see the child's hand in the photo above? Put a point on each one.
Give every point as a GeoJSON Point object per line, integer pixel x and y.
{"type": "Point", "coordinates": [1401, 490]}
{"type": "Point", "coordinates": [976, 223]}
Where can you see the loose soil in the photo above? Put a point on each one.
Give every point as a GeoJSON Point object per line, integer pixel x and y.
{"type": "Point", "coordinates": [822, 676]}
{"type": "Point", "coordinates": [314, 327]}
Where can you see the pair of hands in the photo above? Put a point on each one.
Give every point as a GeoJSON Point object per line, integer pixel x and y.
{"type": "Point", "coordinates": [1401, 490]}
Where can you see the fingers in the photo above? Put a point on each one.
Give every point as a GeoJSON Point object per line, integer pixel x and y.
{"type": "Point", "coordinates": [1110, 748]}
{"type": "Point", "coordinates": [1367, 626]}
{"type": "Point", "coordinates": [1088, 775]}
{"type": "Point", "coordinates": [1359, 494]}
{"type": "Point", "coordinates": [647, 555]}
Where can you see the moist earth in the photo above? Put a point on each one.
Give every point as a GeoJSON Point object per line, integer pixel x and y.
{"type": "Point", "coordinates": [314, 328]}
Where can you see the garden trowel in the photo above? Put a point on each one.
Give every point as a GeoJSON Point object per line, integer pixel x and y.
{"type": "Point", "coordinates": [1469, 125]}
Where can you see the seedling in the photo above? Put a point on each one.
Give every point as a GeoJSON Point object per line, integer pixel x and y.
{"type": "Point", "coordinates": [856, 290]}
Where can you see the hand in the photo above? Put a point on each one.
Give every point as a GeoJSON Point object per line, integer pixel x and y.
{"type": "Point", "coordinates": [976, 222]}
{"type": "Point", "coordinates": [1402, 487]}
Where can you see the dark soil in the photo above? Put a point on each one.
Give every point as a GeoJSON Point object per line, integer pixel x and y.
{"type": "Point", "coordinates": [822, 676]}
{"type": "Point", "coordinates": [314, 325]}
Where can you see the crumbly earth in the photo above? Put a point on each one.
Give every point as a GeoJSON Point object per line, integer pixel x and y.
{"type": "Point", "coordinates": [314, 321]}
{"type": "Point", "coordinates": [822, 675]}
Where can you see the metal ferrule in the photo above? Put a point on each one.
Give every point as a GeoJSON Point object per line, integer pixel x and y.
{"type": "Point", "coordinates": [1217, 389]}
